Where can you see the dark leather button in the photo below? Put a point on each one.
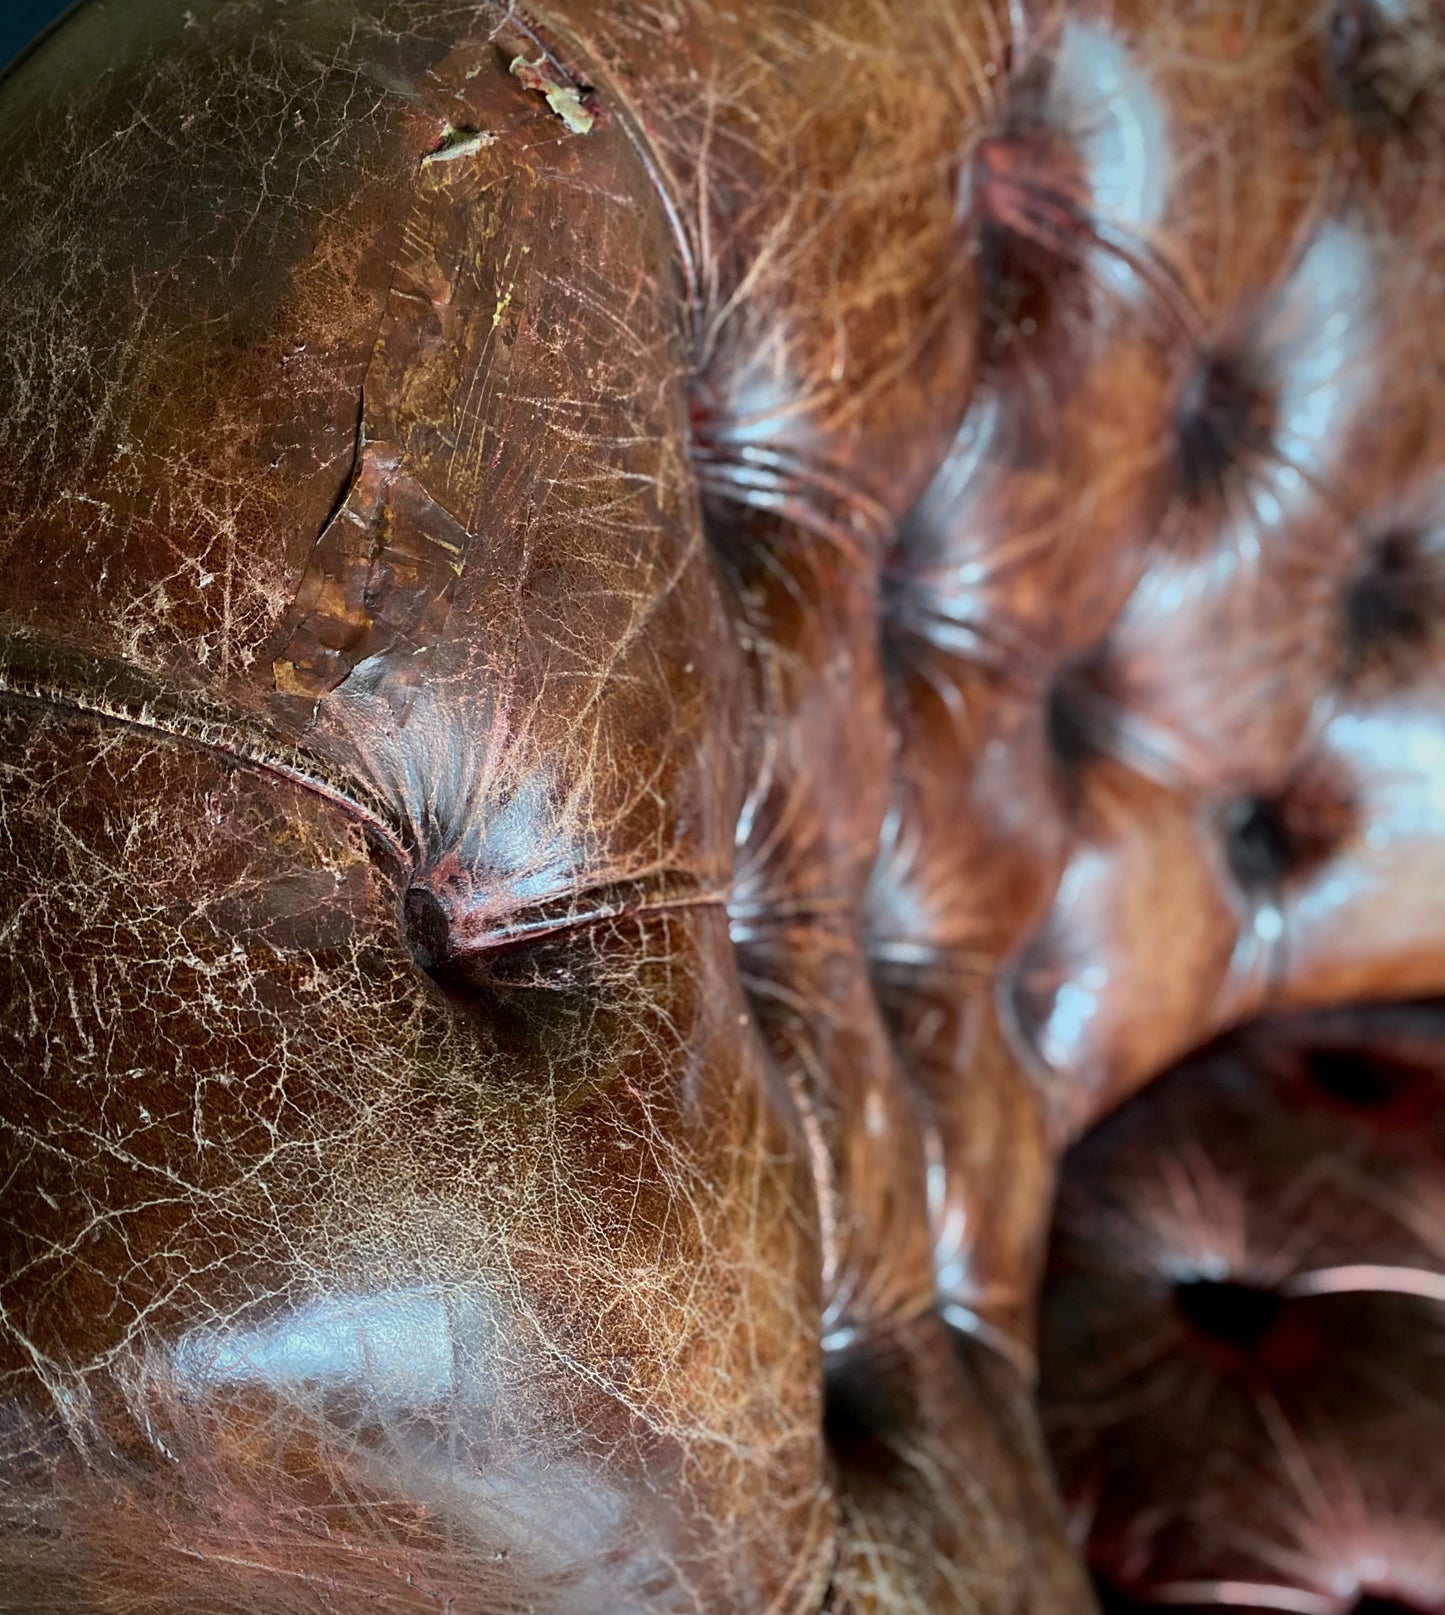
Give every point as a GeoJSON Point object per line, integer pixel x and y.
{"type": "Point", "coordinates": [427, 933]}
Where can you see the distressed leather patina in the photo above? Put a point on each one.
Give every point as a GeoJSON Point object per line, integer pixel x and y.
{"type": "Point", "coordinates": [648, 652]}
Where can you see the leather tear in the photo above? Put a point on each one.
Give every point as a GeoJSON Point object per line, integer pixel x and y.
{"type": "Point", "coordinates": [574, 103]}
{"type": "Point", "coordinates": [380, 582]}
{"type": "Point", "coordinates": [456, 143]}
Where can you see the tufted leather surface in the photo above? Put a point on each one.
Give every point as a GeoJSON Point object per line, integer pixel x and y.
{"type": "Point", "coordinates": [649, 650]}
{"type": "Point", "coordinates": [1244, 1332]}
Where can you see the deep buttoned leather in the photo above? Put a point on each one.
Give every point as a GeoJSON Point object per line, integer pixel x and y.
{"type": "Point", "coordinates": [1243, 1322]}
{"type": "Point", "coordinates": [648, 652]}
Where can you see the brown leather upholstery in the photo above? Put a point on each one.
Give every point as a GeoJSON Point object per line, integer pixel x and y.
{"type": "Point", "coordinates": [648, 650]}
{"type": "Point", "coordinates": [1244, 1333]}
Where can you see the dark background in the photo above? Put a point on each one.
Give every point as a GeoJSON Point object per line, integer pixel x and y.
{"type": "Point", "coordinates": [21, 20]}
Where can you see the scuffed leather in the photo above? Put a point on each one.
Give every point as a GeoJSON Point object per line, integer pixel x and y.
{"type": "Point", "coordinates": [647, 651]}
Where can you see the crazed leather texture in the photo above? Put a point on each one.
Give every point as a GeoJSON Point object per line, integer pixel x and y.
{"type": "Point", "coordinates": [648, 651]}
{"type": "Point", "coordinates": [1244, 1323]}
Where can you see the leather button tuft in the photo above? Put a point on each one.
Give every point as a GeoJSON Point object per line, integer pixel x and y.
{"type": "Point", "coordinates": [427, 931]}
{"type": "Point", "coordinates": [1394, 605]}
{"type": "Point", "coordinates": [1353, 28]}
{"type": "Point", "coordinates": [1071, 727]}
{"type": "Point", "coordinates": [1240, 1314]}
{"type": "Point", "coordinates": [1377, 1088]}
{"type": "Point", "coordinates": [1259, 847]}
{"type": "Point", "coordinates": [1031, 205]}
{"type": "Point", "coordinates": [1272, 839]}
{"type": "Point", "coordinates": [1029, 182]}
{"type": "Point", "coordinates": [1224, 418]}
{"type": "Point", "coordinates": [1351, 1075]}
{"type": "Point", "coordinates": [1376, 67]}
{"type": "Point", "coordinates": [863, 1409]}
{"type": "Point", "coordinates": [1371, 1605]}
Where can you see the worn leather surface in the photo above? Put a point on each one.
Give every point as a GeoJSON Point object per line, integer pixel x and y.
{"type": "Point", "coordinates": [648, 651]}
{"type": "Point", "coordinates": [1244, 1322]}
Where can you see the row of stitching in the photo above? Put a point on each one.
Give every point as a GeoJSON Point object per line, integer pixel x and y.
{"type": "Point", "coordinates": [190, 722]}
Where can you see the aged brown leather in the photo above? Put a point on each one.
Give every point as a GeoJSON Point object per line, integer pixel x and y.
{"type": "Point", "coordinates": [648, 651]}
{"type": "Point", "coordinates": [1244, 1333]}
